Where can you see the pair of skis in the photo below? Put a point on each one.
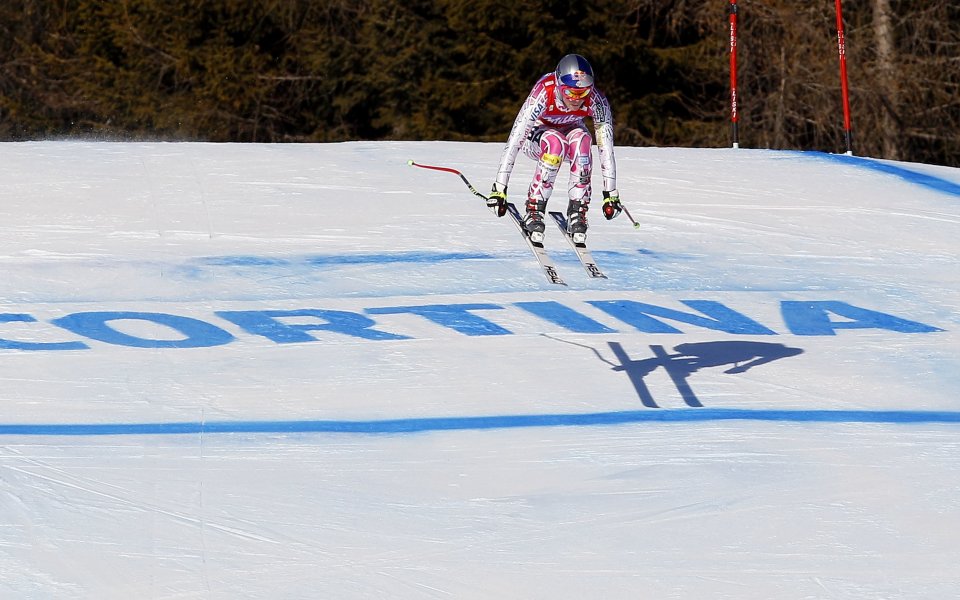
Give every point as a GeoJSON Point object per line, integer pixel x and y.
{"type": "Point", "coordinates": [539, 252]}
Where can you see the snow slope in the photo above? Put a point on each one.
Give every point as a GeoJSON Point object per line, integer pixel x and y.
{"type": "Point", "coordinates": [313, 371]}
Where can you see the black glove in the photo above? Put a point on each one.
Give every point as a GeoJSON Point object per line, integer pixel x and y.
{"type": "Point", "coordinates": [497, 200]}
{"type": "Point", "coordinates": [611, 204]}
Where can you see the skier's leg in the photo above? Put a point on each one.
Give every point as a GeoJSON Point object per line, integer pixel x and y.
{"type": "Point", "coordinates": [550, 150]}
{"type": "Point", "coordinates": [579, 189]}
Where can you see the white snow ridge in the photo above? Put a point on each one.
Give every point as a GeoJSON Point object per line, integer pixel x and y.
{"type": "Point", "coordinates": [312, 371]}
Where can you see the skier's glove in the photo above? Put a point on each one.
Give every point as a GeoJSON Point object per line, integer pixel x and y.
{"type": "Point", "coordinates": [611, 204]}
{"type": "Point", "coordinates": [497, 200]}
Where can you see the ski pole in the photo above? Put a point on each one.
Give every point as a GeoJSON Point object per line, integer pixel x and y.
{"type": "Point", "coordinates": [627, 212]}
{"type": "Point", "coordinates": [449, 170]}
{"type": "Point", "coordinates": [478, 194]}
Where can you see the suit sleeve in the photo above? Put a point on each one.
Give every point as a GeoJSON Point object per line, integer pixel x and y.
{"type": "Point", "coordinates": [603, 123]}
{"type": "Point", "coordinates": [526, 119]}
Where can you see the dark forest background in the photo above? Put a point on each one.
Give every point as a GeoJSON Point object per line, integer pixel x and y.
{"type": "Point", "coordinates": [323, 71]}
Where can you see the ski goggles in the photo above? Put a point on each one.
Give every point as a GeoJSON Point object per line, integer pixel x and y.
{"type": "Point", "coordinates": [574, 93]}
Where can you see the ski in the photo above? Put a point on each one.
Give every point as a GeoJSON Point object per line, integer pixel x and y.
{"type": "Point", "coordinates": [549, 270]}
{"type": "Point", "coordinates": [583, 253]}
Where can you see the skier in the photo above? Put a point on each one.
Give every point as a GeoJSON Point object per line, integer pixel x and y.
{"type": "Point", "coordinates": [550, 129]}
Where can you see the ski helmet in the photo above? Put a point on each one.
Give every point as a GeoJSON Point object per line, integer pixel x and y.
{"type": "Point", "coordinates": [574, 77]}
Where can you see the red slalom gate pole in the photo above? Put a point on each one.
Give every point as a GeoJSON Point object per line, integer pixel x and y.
{"type": "Point", "coordinates": [734, 116]}
{"type": "Point", "coordinates": [842, 49]}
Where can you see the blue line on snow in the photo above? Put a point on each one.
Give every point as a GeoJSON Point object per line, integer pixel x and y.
{"type": "Point", "coordinates": [396, 257]}
{"type": "Point", "coordinates": [922, 179]}
{"type": "Point", "coordinates": [345, 259]}
{"type": "Point", "coordinates": [479, 423]}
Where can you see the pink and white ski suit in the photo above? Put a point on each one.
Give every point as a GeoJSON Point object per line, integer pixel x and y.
{"type": "Point", "coordinates": [550, 133]}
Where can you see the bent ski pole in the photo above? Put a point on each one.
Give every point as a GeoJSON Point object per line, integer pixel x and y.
{"type": "Point", "coordinates": [449, 170]}
{"type": "Point", "coordinates": [474, 191]}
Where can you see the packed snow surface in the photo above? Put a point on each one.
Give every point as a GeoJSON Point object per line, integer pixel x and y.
{"type": "Point", "coordinates": [315, 371]}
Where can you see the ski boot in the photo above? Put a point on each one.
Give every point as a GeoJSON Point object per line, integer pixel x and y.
{"type": "Point", "coordinates": [577, 221]}
{"type": "Point", "coordinates": [533, 220]}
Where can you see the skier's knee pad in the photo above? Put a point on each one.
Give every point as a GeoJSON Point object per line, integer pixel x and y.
{"type": "Point", "coordinates": [551, 161]}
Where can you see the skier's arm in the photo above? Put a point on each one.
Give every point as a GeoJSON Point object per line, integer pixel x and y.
{"type": "Point", "coordinates": [603, 124]}
{"type": "Point", "coordinates": [526, 119]}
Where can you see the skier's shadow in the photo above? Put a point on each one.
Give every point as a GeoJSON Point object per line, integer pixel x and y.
{"type": "Point", "coordinates": [692, 357]}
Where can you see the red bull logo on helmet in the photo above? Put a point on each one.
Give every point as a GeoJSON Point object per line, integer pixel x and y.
{"type": "Point", "coordinates": [580, 79]}
{"type": "Point", "coordinates": [574, 71]}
